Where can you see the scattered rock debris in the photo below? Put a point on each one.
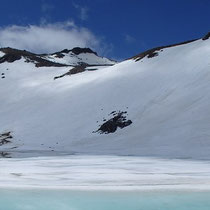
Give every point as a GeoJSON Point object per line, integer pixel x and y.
{"type": "Point", "coordinates": [5, 155]}
{"type": "Point", "coordinates": [4, 138]}
{"type": "Point", "coordinates": [118, 120]}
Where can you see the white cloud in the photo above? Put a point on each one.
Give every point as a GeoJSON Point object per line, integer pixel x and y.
{"type": "Point", "coordinates": [46, 38]}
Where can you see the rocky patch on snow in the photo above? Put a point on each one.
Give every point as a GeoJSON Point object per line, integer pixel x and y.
{"type": "Point", "coordinates": [5, 155]}
{"type": "Point", "coordinates": [5, 138]}
{"type": "Point", "coordinates": [118, 120]}
{"type": "Point", "coordinates": [75, 70]}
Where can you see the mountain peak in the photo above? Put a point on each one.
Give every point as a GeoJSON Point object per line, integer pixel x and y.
{"type": "Point", "coordinates": [73, 57]}
{"type": "Point", "coordinates": [78, 50]}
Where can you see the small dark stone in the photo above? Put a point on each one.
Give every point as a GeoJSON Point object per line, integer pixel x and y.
{"type": "Point", "coordinates": [112, 112]}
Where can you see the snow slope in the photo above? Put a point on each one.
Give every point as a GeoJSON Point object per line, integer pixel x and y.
{"type": "Point", "coordinates": [167, 97]}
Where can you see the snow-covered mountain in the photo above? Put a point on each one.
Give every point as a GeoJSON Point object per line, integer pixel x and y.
{"type": "Point", "coordinates": [154, 104]}
{"type": "Point", "coordinates": [78, 56]}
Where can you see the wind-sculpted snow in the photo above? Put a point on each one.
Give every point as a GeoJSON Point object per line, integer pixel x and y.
{"type": "Point", "coordinates": [166, 97]}
{"type": "Point", "coordinates": [104, 172]}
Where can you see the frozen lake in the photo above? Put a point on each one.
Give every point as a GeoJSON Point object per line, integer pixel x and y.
{"type": "Point", "coordinates": [103, 183]}
{"type": "Point", "coordinates": [104, 173]}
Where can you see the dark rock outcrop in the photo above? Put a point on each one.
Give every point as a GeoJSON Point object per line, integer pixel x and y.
{"type": "Point", "coordinates": [5, 155]}
{"type": "Point", "coordinates": [118, 121]}
{"type": "Point", "coordinates": [4, 138]}
{"type": "Point", "coordinates": [75, 70]}
{"type": "Point", "coordinates": [206, 36]}
{"type": "Point", "coordinates": [12, 55]}
{"type": "Point", "coordinates": [78, 50]}
{"type": "Point", "coordinates": [153, 52]}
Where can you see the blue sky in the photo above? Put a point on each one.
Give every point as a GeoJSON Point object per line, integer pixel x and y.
{"type": "Point", "coordinates": [115, 28]}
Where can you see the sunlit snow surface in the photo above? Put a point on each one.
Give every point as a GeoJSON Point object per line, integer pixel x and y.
{"type": "Point", "coordinates": [166, 97]}
{"type": "Point", "coordinates": [104, 172]}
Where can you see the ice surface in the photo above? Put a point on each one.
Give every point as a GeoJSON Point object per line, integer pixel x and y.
{"type": "Point", "coordinates": [104, 173]}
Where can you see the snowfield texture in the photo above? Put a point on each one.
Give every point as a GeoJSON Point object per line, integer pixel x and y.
{"type": "Point", "coordinates": [167, 98]}
{"type": "Point", "coordinates": [105, 173]}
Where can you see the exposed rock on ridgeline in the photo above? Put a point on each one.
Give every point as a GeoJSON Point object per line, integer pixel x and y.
{"type": "Point", "coordinates": [74, 57]}
{"type": "Point", "coordinates": [12, 55]}
{"type": "Point", "coordinates": [154, 51]}
{"type": "Point", "coordinates": [76, 51]}
{"type": "Point", "coordinates": [206, 36]}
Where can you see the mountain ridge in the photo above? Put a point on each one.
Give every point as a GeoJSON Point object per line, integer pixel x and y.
{"type": "Point", "coordinates": [156, 107]}
{"type": "Point", "coordinates": [41, 60]}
